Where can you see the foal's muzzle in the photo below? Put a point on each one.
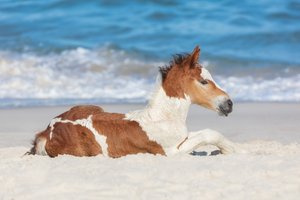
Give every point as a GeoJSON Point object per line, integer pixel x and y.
{"type": "Point", "coordinates": [226, 107]}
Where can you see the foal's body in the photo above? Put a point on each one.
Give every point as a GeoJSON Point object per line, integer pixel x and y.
{"type": "Point", "coordinates": [160, 128]}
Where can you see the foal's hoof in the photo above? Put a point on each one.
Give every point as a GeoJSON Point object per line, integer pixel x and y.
{"type": "Point", "coordinates": [215, 152]}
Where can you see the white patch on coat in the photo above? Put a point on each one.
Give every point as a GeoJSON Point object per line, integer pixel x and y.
{"type": "Point", "coordinates": [163, 119]}
{"type": "Point", "coordinates": [220, 99]}
{"type": "Point", "coordinates": [206, 75]}
{"type": "Point", "coordinates": [87, 123]}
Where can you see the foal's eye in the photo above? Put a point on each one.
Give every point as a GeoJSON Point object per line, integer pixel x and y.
{"type": "Point", "coordinates": [204, 82]}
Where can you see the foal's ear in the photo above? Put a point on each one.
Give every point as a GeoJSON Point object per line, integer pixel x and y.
{"type": "Point", "coordinates": [194, 57]}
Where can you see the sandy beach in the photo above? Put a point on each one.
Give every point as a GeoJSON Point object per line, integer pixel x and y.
{"type": "Point", "coordinates": [270, 132]}
{"type": "Point", "coordinates": [58, 54]}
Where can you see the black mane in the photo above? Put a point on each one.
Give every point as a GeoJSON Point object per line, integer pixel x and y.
{"type": "Point", "coordinates": [177, 60]}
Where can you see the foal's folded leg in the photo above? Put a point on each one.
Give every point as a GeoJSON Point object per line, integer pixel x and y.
{"type": "Point", "coordinates": [208, 137]}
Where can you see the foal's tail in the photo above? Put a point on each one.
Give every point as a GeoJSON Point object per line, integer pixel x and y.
{"type": "Point", "coordinates": [39, 145]}
{"type": "Point", "coordinates": [31, 151]}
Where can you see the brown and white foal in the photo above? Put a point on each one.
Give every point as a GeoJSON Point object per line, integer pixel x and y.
{"type": "Point", "coordinates": [160, 128]}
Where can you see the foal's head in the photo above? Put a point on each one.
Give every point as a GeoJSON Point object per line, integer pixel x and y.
{"type": "Point", "coordinates": [186, 77]}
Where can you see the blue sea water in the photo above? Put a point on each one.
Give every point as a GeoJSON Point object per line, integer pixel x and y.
{"type": "Point", "coordinates": [58, 52]}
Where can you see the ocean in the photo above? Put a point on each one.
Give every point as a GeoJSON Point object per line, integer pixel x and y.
{"type": "Point", "coordinates": [58, 52]}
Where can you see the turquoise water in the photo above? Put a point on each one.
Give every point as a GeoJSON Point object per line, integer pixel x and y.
{"type": "Point", "coordinates": [56, 52]}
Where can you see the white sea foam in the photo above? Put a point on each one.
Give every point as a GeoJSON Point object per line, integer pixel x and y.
{"type": "Point", "coordinates": [257, 89]}
{"type": "Point", "coordinates": [78, 73]}
{"type": "Point", "coordinates": [110, 75]}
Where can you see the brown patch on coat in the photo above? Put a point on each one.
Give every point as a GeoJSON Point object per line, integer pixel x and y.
{"type": "Point", "coordinates": [80, 112]}
{"type": "Point", "coordinates": [72, 139]}
{"type": "Point", "coordinates": [123, 136]}
{"type": "Point", "coordinates": [177, 77]}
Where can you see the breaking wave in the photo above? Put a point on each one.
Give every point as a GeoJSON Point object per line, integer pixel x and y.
{"type": "Point", "coordinates": [108, 75]}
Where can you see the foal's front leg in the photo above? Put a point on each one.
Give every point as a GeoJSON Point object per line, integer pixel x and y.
{"type": "Point", "coordinates": [207, 137]}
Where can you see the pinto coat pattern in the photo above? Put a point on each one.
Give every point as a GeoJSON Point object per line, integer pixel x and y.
{"type": "Point", "coordinates": [159, 128]}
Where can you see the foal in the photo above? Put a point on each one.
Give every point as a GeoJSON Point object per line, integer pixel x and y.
{"type": "Point", "coordinates": [160, 128]}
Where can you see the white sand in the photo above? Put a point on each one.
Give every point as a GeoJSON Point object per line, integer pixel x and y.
{"type": "Point", "coordinates": [271, 169]}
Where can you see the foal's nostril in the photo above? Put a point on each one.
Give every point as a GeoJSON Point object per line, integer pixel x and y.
{"type": "Point", "coordinates": [229, 102]}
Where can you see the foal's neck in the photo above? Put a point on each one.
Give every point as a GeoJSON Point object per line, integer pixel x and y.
{"type": "Point", "coordinates": [168, 108]}
{"type": "Point", "coordinates": [163, 108]}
